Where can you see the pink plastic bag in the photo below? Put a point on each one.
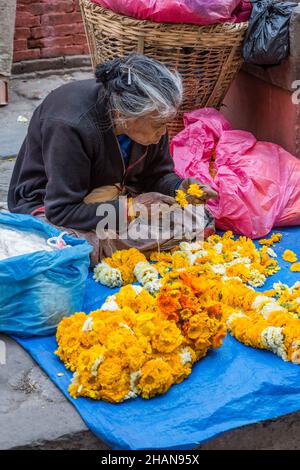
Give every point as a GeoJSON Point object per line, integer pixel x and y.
{"type": "Point", "coordinates": [200, 12]}
{"type": "Point", "coordinates": [258, 182]}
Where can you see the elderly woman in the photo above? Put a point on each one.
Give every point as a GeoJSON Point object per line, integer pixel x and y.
{"type": "Point", "coordinates": [91, 141]}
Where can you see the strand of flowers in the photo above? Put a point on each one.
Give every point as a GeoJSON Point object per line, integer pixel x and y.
{"type": "Point", "coordinates": [252, 318]}
{"type": "Point", "coordinates": [237, 259]}
{"type": "Point", "coordinates": [261, 322]}
{"type": "Point", "coordinates": [129, 347]}
{"type": "Point", "coordinates": [134, 346]}
{"type": "Point", "coordinates": [125, 267]}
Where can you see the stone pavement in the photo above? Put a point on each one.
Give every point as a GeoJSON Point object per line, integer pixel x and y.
{"type": "Point", "coordinates": [25, 95]}
{"type": "Point", "coordinates": [34, 414]}
{"type": "Point", "coordinates": [6, 168]}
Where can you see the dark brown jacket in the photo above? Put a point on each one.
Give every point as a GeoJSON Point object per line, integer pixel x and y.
{"type": "Point", "coordinates": [71, 149]}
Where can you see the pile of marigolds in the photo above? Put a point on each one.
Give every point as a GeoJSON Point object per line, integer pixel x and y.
{"type": "Point", "coordinates": [141, 342]}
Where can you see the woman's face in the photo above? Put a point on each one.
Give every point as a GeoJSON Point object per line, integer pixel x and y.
{"type": "Point", "coordinates": [146, 130]}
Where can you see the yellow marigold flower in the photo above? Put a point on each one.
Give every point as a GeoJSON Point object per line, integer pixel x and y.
{"type": "Point", "coordinates": [295, 267]}
{"type": "Point", "coordinates": [290, 256]}
{"type": "Point", "coordinates": [180, 369]}
{"type": "Point", "coordinates": [270, 293]}
{"type": "Point", "coordinates": [125, 261]}
{"type": "Point", "coordinates": [128, 296]}
{"type": "Point", "coordinates": [156, 378]}
{"type": "Point", "coordinates": [167, 337]}
{"type": "Point", "coordinates": [114, 381]}
{"type": "Point", "coordinates": [275, 237]}
{"type": "Point", "coordinates": [163, 256]}
{"type": "Point", "coordinates": [180, 260]}
{"type": "Point", "coordinates": [181, 198]}
{"type": "Point", "coordinates": [163, 268]}
{"type": "Point", "coordinates": [195, 190]}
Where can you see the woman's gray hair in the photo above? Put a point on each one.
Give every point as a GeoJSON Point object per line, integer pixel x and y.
{"type": "Point", "coordinates": [137, 85]}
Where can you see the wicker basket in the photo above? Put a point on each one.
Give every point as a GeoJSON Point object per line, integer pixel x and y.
{"type": "Point", "coordinates": [207, 57]}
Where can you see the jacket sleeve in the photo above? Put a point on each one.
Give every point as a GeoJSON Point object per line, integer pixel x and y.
{"type": "Point", "coordinates": [160, 174]}
{"type": "Point", "coordinates": [68, 167]}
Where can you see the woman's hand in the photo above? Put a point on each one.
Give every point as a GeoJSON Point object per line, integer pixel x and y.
{"type": "Point", "coordinates": [151, 203]}
{"type": "Point", "coordinates": [208, 192]}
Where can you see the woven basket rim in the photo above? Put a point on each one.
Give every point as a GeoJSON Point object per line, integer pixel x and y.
{"type": "Point", "coordinates": [225, 27]}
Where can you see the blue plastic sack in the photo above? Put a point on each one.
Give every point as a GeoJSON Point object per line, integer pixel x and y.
{"type": "Point", "coordinates": [37, 290]}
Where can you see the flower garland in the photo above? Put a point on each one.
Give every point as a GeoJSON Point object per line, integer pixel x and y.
{"type": "Point", "coordinates": [260, 321]}
{"type": "Point", "coordinates": [129, 347]}
{"type": "Point", "coordinates": [181, 299]}
{"type": "Point", "coordinates": [126, 266]}
{"type": "Point", "coordinates": [237, 259]}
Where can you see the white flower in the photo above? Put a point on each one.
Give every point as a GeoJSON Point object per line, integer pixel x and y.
{"type": "Point", "coordinates": [218, 269]}
{"type": "Point", "coordinates": [147, 275]}
{"type": "Point", "coordinates": [273, 340]}
{"type": "Point", "coordinates": [185, 356]}
{"type": "Point", "coordinates": [110, 305]}
{"type": "Point", "coordinates": [153, 286]}
{"type": "Point", "coordinates": [269, 308]}
{"type": "Point", "coordinates": [271, 252]}
{"type": "Point", "coordinates": [194, 246]}
{"type": "Point", "coordinates": [279, 287]}
{"type": "Point", "coordinates": [94, 368]}
{"type": "Point", "coordinates": [75, 378]}
{"type": "Point", "coordinates": [133, 393]}
{"type": "Point", "coordinates": [75, 381]}
{"type": "Point", "coordinates": [201, 253]}
{"type": "Point", "coordinates": [243, 260]}
{"type": "Point", "coordinates": [88, 324]}
{"type": "Point", "coordinates": [107, 275]}
{"type": "Point", "coordinates": [137, 289]}
{"type": "Point", "coordinates": [218, 247]}
{"type": "Point", "coordinates": [295, 356]}
{"type": "Point", "coordinates": [192, 257]}
{"type": "Point", "coordinates": [259, 301]}
{"type": "Point", "coordinates": [257, 279]}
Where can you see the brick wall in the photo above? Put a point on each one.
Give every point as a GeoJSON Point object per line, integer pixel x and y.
{"type": "Point", "coordinates": [48, 28]}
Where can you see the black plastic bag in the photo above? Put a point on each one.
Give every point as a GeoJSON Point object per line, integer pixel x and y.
{"type": "Point", "coordinates": [267, 39]}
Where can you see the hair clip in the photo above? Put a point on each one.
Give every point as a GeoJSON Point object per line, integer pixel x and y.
{"type": "Point", "coordinates": [129, 76]}
{"type": "Point", "coordinates": [128, 73]}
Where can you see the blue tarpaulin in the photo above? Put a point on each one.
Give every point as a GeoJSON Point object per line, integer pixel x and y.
{"type": "Point", "coordinates": [231, 387]}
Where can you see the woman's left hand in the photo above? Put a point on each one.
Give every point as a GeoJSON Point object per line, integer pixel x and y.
{"type": "Point", "coordinates": [208, 192]}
